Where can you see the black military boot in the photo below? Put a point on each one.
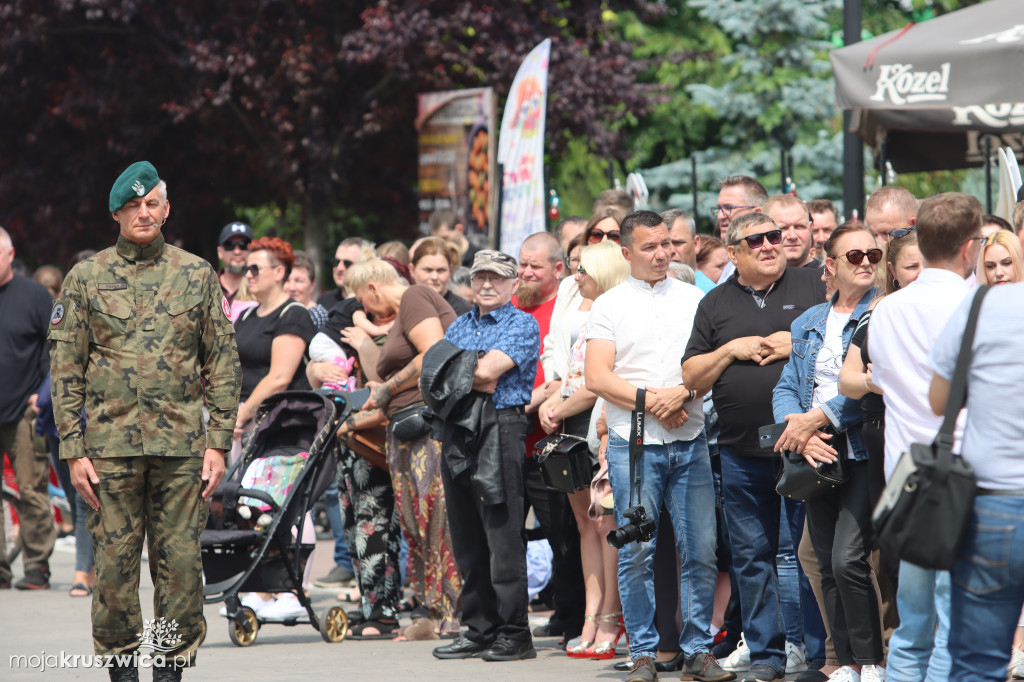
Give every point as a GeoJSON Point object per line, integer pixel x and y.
{"type": "Point", "coordinates": [166, 673]}
{"type": "Point", "coordinates": [124, 673]}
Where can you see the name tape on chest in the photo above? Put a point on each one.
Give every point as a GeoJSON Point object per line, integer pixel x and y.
{"type": "Point", "coordinates": [111, 286]}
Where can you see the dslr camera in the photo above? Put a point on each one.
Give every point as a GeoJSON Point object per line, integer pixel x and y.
{"type": "Point", "coordinates": [639, 529]}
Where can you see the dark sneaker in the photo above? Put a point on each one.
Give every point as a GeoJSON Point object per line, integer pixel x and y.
{"type": "Point", "coordinates": [704, 668]}
{"type": "Point", "coordinates": [642, 670]}
{"type": "Point", "coordinates": [552, 628]}
{"type": "Point", "coordinates": [505, 649]}
{"type": "Point", "coordinates": [812, 676]}
{"type": "Point", "coordinates": [725, 647]}
{"type": "Point", "coordinates": [339, 576]}
{"type": "Point", "coordinates": [762, 673]}
{"type": "Point", "coordinates": [460, 648]}
{"type": "Point", "coordinates": [671, 665]}
{"type": "Point", "coordinates": [35, 579]}
{"type": "Point", "coordinates": [168, 673]}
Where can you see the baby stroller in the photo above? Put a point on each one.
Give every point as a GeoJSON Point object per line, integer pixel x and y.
{"type": "Point", "coordinates": [252, 542]}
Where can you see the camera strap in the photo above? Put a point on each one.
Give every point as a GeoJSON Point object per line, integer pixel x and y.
{"type": "Point", "coordinates": [636, 446]}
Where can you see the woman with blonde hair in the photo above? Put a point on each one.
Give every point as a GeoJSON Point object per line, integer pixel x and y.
{"type": "Point", "coordinates": [1002, 260]}
{"type": "Point", "coordinates": [602, 267]}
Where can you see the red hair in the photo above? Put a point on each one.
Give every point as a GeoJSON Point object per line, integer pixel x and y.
{"type": "Point", "coordinates": [279, 249]}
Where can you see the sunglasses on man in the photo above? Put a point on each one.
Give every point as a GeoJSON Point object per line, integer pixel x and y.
{"type": "Point", "coordinates": [254, 269]}
{"type": "Point", "coordinates": [336, 261]}
{"type": "Point", "coordinates": [596, 236]}
{"type": "Point", "coordinates": [902, 232]}
{"type": "Point", "coordinates": [756, 241]}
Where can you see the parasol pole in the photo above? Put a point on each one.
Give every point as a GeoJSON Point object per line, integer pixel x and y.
{"type": "Point", "coordinates": [853, 146]}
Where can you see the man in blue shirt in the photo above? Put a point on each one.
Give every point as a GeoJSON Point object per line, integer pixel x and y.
{"type": "Point", "coordinates": [488, 540]}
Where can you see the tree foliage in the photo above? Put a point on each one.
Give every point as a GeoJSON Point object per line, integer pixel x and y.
{"type": "Point", "coordinates": [286, 103]}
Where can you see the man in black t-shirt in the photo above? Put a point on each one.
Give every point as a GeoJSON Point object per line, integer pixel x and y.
{"type": "Point", "coordinates": [739, 345]}
{"type": "Point", "coordinates": [24, 361]}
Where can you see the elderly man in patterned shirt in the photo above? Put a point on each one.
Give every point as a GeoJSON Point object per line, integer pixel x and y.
{"type": "Point", "coordinates": [488, 539]}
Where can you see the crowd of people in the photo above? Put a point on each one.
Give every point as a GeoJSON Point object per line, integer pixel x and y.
{"type": "Point", "coordinates": [664, 349]}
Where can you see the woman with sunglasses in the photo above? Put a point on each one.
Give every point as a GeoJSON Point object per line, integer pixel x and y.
{"type": "Point", "coordinates": [602, 266]}
{"type": "Point", "coordinates": [807, 397]}
{"type": "Point", "coordinates": [604, 225]}
{"type": "Point", "coordinates": [271, 337]}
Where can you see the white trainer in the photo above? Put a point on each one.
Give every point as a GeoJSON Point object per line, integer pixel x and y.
{"type": "Point", "coordinates": [872, 673]}
{"type": "Point", "coordinates": [796, 658]}
{"type": "Point", "coordinates": [285, 606]}
{"type": "Point", "coordinates": [844, 674]}
{"type": "Point", "coordinates": [1016, 667]}
{"type": "Point", "coordinates": [251, 599]}
{"type": "Point", "coordinates": [739, 660]}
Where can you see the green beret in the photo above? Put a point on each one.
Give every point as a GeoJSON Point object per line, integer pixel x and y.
{"type": "Point", "coordinates": [136, 181]}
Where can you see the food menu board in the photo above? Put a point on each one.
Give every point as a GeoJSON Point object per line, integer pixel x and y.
{"type": "Point", "coordinates": [457, 134]}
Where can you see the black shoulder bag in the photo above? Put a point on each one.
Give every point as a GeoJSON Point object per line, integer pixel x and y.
{"type": "Point", "coordinates": [923, 513]}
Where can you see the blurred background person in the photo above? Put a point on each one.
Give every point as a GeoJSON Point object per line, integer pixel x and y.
{"type": "Point", "coordinates": [50, 277]}
{"type": "Point", "coordinates": [1002, 260]}
{"type": "Point", "coordinates": [824, 219]}
{"type": "Point", "coordinates": [711, 261]}
{"type": "Point", "coordinates": [432, 264]}
{"type": "Point", "coordinates": [301, 288]}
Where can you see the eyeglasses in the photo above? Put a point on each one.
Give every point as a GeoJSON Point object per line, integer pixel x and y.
{"type": "Point", "coordinates": [726, 209]}
{"type": "Point", "coordinates": [236, 246]}
{"type": "Point", "coordinates": [491, 277]}
{"type": "Point", "coordinates": [756, 241]}
{"type": "Point", "coordinates": [595, 236]}
{"type": "Point", "coordinates": [581, 271]}
{"type": "Point", "coordinates": [336, 261]}
{"type": "Point", "coordinates": [254, 270]}
{"type": "Point", "coordinates": [902, 232]}
{"type": "Point", "coordinates": [974, 239]}
{"type": "Point", "coordinates": [856, 256]}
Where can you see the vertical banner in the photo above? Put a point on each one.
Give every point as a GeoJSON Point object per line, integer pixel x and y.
{"type": "Point", "coordinates": [456, 158]}
{"type": "Point", "coordinates": [521, 151]}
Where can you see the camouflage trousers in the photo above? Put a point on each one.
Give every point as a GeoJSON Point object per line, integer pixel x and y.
{"type": "Point", "coordinates": [32, 472]}
{"type": "Point", "coordinates": [159, 498]}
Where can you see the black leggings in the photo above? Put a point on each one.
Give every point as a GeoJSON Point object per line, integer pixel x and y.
{"type": "Point", "coordinates": [839, 524]}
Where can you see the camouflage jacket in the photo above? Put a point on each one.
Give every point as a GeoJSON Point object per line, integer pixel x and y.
{"type": "Point", "coordinates": [139, 337]}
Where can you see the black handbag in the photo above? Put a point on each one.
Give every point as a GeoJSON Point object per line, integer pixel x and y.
{"type": "Point", "coordinates": [923, 513]}
{"type": "Point", "coordinates": [410, 423]}
{"type": "Point", "coordinates": [565, 462]}
{"type": "Point", "coordinates": [798, 479]}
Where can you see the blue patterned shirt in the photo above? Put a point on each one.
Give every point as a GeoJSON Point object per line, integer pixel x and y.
{"type": "Point", "coordinates": [515, 334]}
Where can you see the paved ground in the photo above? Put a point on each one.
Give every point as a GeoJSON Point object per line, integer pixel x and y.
{"type": "Point", "coordinates": [50, 622]}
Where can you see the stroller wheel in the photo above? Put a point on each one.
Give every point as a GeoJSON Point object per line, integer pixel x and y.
{"type": "Point", "coordinates": [237, 630]}
{"type": "Point", "coordinates": [333, 624]}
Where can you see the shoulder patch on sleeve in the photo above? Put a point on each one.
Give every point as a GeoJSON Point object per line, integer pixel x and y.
{"type": "Point", "coordinates": [58, 315]}
{"type": "Point", "coordinates": [225, 306]}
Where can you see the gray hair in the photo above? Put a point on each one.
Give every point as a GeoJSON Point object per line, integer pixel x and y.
{"type": "Point", "coordinates": [732, 236]}
{"type": "Point", "coordinates": [682, 272]}
{"type": "Point", "coordinates": [161, 190]}
{"type": "Point", "coordinates": [5, 239]}
{"type": "Point", "coordinates": [673, 214]}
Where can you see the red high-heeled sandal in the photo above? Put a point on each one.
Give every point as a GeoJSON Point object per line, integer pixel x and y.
{"type": "Point", "coordinates": [606, 650]}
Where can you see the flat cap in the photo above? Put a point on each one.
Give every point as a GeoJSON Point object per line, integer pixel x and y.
{"type": "Point", "coordinates": [235, 229]}
{"type": "Point", "coordinates": [494, 261]}
{"type": "Point", "coordinates": [136, 181]}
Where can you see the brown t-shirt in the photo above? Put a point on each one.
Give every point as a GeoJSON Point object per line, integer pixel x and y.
{"type": "Point", "coordinates": [418, 303]}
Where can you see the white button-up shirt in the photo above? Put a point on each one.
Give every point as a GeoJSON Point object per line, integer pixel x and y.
{"type": "Point", "coordinates": [650, 327]}
{"type": "Point", "coordinates": [902, 331]}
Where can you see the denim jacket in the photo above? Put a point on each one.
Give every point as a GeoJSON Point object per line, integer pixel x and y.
{"type": "Point", "coordinates": [795, 389]}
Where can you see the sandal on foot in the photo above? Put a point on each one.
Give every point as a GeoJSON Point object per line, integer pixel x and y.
{"type": "Point", "coordinates": [80, 590]}
{"type": "Point", "coordinates": [385, 630]}
{"type": "Point", "coordinates": [422, 629]}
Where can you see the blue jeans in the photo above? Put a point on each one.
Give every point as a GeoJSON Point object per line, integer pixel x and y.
{"type": "Point", "coordinates": [917, 649]}
{"type": "Point", "coordinates": [753, 512]}
{"type": "Point", "coordinates": [800, 615]}
{"type": "Point", "coordinates": [678, 475]}
{"type": "Point", "coordinates": [987, 589]}
{"type": "Point", "coordinates": [333, 507]}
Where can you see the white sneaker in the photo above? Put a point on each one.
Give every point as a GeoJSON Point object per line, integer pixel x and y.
{"type": "Point", "coordinates": [1016, 667]}
{"type": "Point", "coordinates": [739, 660]}
{"type": "Point", "coordinates": [251, 599]}
{"type": "Point", "coordinates": [872, 673]}
{"type": "Point", "coordinates": [796, 658]}
{"type": "Point", "coordinates": [844, 674]}
{"type": "Point", "coordinates": [285, 606]}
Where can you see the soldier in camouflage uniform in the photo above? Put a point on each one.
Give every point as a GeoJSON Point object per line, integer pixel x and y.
{"type": "Point", "coordinates": [139, 338]}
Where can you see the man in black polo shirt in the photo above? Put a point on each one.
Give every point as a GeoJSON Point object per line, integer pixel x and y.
{"type": "Point", "coordinates": [739, 345]}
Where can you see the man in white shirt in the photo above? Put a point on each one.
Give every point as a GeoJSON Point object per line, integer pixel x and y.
{"type": "Point", "coordinates": [901, 334]}
{"type": "Point", "coordinates": [631, 335]}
